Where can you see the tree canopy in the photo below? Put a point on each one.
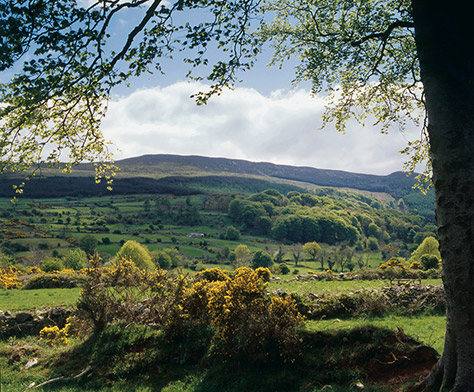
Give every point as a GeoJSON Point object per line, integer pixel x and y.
{"type": "Point", "coordinates": [429, 246]}
{"type": "Point", "coordinates": [362, 54]}
{"type": "Point", "coordinates": [63, 65]}
{"type": "Point", "coordinates": [137, 253]}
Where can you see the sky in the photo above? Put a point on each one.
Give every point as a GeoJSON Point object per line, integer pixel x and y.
{"type": "Point", "coordinates": [282, 126]}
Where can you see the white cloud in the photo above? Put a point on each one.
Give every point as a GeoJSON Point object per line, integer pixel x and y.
{"type": "Point", "coordinates": [282, 127]}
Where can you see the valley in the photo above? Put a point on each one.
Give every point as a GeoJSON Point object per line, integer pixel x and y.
{"type": "Point", "coordinates": [340, 258]}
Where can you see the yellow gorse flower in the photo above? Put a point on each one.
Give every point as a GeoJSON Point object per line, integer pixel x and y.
{"type": "Point", "coordinates": [9, 278]}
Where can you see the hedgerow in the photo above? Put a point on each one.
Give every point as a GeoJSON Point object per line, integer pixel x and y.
{"type": "Point", "coordinates": [407, 298]}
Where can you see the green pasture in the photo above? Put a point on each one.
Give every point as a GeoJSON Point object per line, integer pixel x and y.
{"type": "Point", "coordinates": [428, 329]}
{"type": "Point", "coordinates": [131, 219]}
{"type": "Point", "coordinates": [110, 249]}
{"type": "Point", "coordinates": [321, 286]}
{"type": "Point", "coordinates": [35, 241]}
{"type": "Point", "coordinates": [20, 300]}
{"type": "Point", "coordinates": [129, 207]}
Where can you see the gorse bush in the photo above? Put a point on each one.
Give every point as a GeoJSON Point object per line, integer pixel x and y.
{"type": "Point", "coordinates": [232, 310]}
{"type": "Point", "coordinates": [66, 278]}
{"type": "Point", "coordinates": [51, 264]}
{"type": "Point", "coordinates": [54, 336]}
{"type": "Point", "coordinates": [118, 293]}
{"type": "Point", "coordinates": [9, 278]}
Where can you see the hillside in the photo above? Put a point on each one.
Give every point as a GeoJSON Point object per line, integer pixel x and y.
{"type": "Point", "coordinates": [180, 175]}
{"type": "Point", "coordinates": [156, 165]}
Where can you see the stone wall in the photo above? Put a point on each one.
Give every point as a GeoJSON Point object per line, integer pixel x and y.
{"type": "Point", "coordinates": [32, 322]}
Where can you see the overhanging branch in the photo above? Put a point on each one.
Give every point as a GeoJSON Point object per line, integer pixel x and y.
{"type": "Point", "coordinates": [383, 35]}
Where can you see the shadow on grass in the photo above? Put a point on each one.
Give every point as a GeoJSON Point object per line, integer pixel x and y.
{"type": "Point", "coordinates": [139, 358]}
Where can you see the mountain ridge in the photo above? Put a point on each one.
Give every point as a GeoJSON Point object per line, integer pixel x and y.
{"type": "Point", "coordinates": [315, 176]}
{"type": "Point", "coordinates": [184, 174]}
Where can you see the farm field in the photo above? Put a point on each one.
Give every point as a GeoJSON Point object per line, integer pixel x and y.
{"type": "Point", "coordinates": [32, 229]}
{"type": "Point", "coordinates": [23, 300]}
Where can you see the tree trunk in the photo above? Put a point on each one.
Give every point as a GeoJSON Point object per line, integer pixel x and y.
{"type": "Point", "coordinates": [444, 34]}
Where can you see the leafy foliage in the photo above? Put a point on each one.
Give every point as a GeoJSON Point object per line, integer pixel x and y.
{"type": "Point", "coordinates": [55, 336]}
{"type": "Point", "coordinates": [51, 264]}
{"type": "Point", "coordinates": [88, 243]}
{"type": "Point", "coordinates": [312, 249]}
{"type": "Point", "coordinates": [331, 217]}
{"type": "Point", "coordinates": [136, 253]}
{"type": "Point", "coordinates": [363, 53]}
{"type": "Point", "coordinates": [76, 259]}
{"type": "Point", "coordinates": [9, 278]}
{"type": "Point", "coordinates": [67, 68]}
{"type": "Point", "coordinates": [429, 246]}
{"type": "Point", "coordinates": [247, 322]}
{"type": "Point", "coordinates": [262, 259]}
{"type": "Point", "coordinates": [232, 233]}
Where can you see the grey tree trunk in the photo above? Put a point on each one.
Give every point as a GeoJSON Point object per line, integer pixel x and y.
{"type": "Point", "coordinates": [444, 34]}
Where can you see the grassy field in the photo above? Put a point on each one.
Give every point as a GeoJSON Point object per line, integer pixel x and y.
{"type": "Point", "coordinates": [428, 329]}
{"type": "Point", "coordinates": [20, 300]}
{"type": "Point", "coordinates": [315, 286]}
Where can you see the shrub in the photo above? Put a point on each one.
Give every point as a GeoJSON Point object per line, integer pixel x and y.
{"type": "Point", "coordinates": [416, 265]}
{"type": "Point", "coordinates": [284, 269]}
{"type": "Point", "coordinates": [263, 273]}
{"type": "Point", "coordinates": [251, 325]}
{"type": "Point", "coordinates": [76, 259]}
{"type": "Point", "coordinates": [54, 280]}
{"type": "Point", "coordinates": [88, 243]}
{"type": "Point", "coordinates": [429, 262]}
{"type": "Point", "coordinates": [213, 275]}
{"type": "Point", "coordinates": [138, 254]}
{"type": "Point", "coordinates": [429, 246]}
{"type": "Point", "coordinates": [234, 308]}
{"type": "Point", "coordinates": [115, 293]}
{"type": "Point", "coordinates": [372, 244]}
{"type": "Point", "coordinates": [51, 264]}
{"type": "Point", "coordinates": [161, 259]}
{"type": "Point", "coordinates": [393, 265]}
{"type": "Point", "coordinates": [262, 259]}
{"type": "Point", "coordinates": [232, 233]}
{"type": "Point", "coordinates": [174, 255]}
{"type": "Point", "coordinates": [9, 278]}
{"type": "Point", "coordinates": [242, 256]}
{"type": "Point", "coordinates": [53, 336]}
